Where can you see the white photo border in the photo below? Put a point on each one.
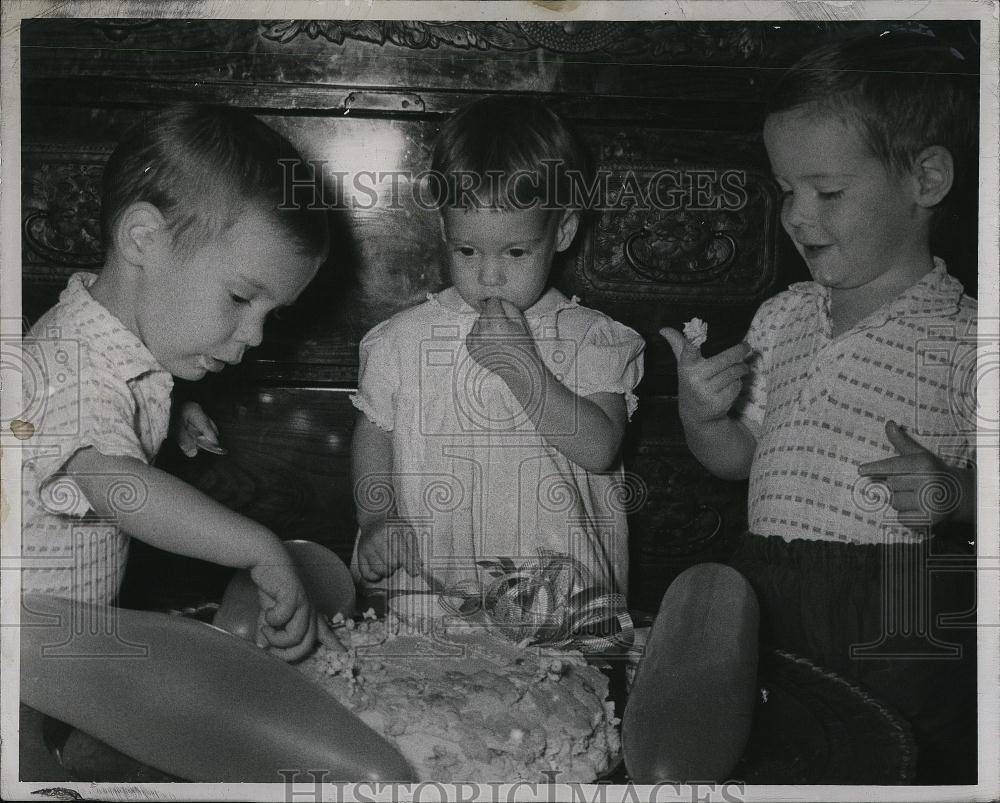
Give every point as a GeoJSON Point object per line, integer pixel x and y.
{"type": "Point", "coordinates": [13, 11]}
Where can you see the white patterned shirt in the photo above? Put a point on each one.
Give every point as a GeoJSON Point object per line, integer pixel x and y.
{"type": "Point", "coordinates": [469, 467]}
{"type": "Point", "coordinates": [88, 382]}
{"type": "Point", "coordinates": [818, 405]}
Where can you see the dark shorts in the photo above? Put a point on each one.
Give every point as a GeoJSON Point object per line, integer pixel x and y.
{"type": "Point", "coordinates": [897, 620]}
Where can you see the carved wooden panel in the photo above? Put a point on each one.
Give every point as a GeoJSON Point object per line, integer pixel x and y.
{"type": "Point", "coordinates": [725, 65]}
{"type": "Point", "coordinates": [61, 205]}
{"type": "Point", "coordinates": [680, 231]}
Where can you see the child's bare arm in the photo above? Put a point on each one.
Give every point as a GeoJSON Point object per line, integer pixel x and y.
{"type": "Point", "coordinates": [380, 553]}
{"type": "Point", "coordinates": [371, 456]}
{"type": "Point", "coordinates": [724, 446]}
{"type": "Point", "coordinates": [586, 429]}
{"type": "Point", "coordinates": [171, 515]}
{"type": "Point", "coordinates": [707, 389]}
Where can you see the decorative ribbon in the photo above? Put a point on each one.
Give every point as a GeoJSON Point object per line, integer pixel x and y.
{"type": "Point", "coordinates": [553, 602]}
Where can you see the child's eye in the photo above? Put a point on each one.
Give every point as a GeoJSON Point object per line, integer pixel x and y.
{"type": "Point", "coordinates": [465, 250]}
{"type": "Point", "coordinates": [517, 253]}
{"type": "Point", "coordinates": [830, 195]}
{"type": "Point", "coordinates": [239, 299]}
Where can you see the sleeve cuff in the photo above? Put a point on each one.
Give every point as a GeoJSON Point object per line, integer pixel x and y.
{"type": "Point", "coordinates": [361, 403]}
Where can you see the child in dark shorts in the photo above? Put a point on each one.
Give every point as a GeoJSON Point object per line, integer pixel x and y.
{"type": "Point", "coordinates": [850, 406]}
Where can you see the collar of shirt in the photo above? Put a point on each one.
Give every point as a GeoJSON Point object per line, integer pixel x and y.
{"type": "Point", "coordinates": [936, 293]}
{"type": "Point", "coordinates": [129, 355]}
{"type": "Point", "coordinates": [552, 301]}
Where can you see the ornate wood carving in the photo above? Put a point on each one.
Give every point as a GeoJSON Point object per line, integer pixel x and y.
{"type": "Point", "coordinates": [640, 249]}
{"type": "Point", "coordinates": [732, 41]}
{"type": "Point", "coordinates": [61, 208]}
{"type": "Point", "coordinates": [415, 35]}
{"type": "Point", "coordinates": [728, 42]}
{"type": "Point", "coordinates": [725, 42]}
{"type": "Point", "coordinates": [653, 39]}
{"type": "Point", "coordinates": [703, 241]}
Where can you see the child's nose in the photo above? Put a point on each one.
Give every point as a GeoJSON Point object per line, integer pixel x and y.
{"type": "Point", "coordinates": [796, 211]}
{"type": "Point", "coordinates": [491, 273]}
{"type": "Point", "coordinates": [251, 331]}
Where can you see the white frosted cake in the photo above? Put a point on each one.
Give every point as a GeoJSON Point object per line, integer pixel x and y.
{"type": "Point", "coordinates": [464, 705]}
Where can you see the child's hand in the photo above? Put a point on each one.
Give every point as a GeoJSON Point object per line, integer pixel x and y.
{"type": "Point", "coordinates": [707, 387]}
{"type": "Point", "coordinates": [322, 632]}
{"type": "Point", "coordinates": [382, 550]}
{"type": "Point", "coordinates": [287, 625]}
{"type": "Point", "coordinates": [194, 430]}
{"type": "Point", "coordinates": [925, 490]}
{"type": "Point", "coordinates": [500, 339]}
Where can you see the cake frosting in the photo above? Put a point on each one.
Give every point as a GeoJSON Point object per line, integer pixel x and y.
{"type": "Point", "coordinates": [462, 705]}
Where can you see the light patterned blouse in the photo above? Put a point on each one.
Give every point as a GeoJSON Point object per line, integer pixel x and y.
{"type": "Point", "coordinates": [470, 472]}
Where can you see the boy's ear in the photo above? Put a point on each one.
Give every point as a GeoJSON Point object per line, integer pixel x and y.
{"type": "Point", "coordinates": [140, 232]}
{"type": "Point", "coordinates": [566, 231]}
{"type": "Point", "coordinates": [934, 172]}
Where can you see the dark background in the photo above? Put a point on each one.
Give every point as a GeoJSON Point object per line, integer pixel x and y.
{"type": "Point", "coordinates": [369, 96]}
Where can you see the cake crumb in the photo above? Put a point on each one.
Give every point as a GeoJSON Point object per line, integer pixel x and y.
{"type": "Point", "coordinates": [696, 332]}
